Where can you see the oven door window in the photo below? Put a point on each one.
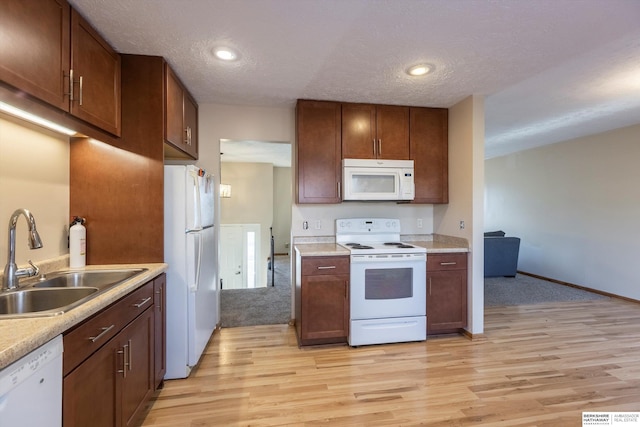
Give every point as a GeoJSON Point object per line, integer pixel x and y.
{"type": "Point", "coordinates": [388, 283]}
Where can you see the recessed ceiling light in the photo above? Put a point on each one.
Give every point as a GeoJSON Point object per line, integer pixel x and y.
{"type": "Point", "coordinates": [419, 70]}
{"type": "Point", "coordinates": [225, 54]}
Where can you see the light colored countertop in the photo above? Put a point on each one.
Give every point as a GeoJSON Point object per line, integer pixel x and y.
{"type": "Point", "coordinates": [321, 249]}
{"type": "Point", "coordinates": [332, 249]}
{"type": "Point", "coordinates": [440, 247]}
{"type": "Point", "coordinates": [20, 336]}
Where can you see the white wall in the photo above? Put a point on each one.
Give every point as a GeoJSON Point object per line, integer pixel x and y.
{"type": "Point", "coordinates": [34, 174]}
{"type": "Point", "coordinates": [466, 190]}
{"type": "Point", "coordinates": [576, 206]}
{"type": "Point", "coordinates": [282, 199]}
{"type": "Point", "coordinates": [218, 122]}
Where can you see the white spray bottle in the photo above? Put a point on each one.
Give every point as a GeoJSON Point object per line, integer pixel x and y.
{"type": "Point", "coordinates": [77, 243]}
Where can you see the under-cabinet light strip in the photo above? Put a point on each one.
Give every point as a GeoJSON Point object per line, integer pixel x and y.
{"type": "Point", "coordinates": [9, 109]}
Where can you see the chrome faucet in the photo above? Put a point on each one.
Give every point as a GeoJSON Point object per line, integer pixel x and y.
{"type": "Point", "coordinates": [11, 270]}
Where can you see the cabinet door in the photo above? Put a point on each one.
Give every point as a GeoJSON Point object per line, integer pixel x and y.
{"type": "Point", "coordinates": [430, 153]}
{"type": "Point", "coordinates": [174, 132]}
{"type": "Point", "coordinates": [319, 155]}
{"type": "Point", "coordinates": [34, 51]}
{"type": "Point", "coordinates": [135, 368]}
{"type": "Point", "coordinates": [392, 132]}
{"type": "Point", "coordinates": [446, 301]}
{"type": "Point", "coordinates": [359, 131]}
{"type": "Point", "coordinates": [191, 125]}
{"type": "Point", "coordinates": [89, 391]}
{"type": "Point", "coordinates": [160, 328]}
{"type": "Point", "coordinates": [325, 308]}
{"type": "Point", "coordinates": [96, 77]}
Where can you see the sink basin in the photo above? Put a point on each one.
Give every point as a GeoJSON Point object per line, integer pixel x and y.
{"type": "Point", "coordinates": [42, 302]}
{"type": "Point", "coordinates": [61, 291]}
{"type": "Point", "coordinates": [101, 279]}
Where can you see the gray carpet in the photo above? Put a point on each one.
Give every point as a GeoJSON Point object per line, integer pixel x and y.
{"type": "Point", "coordinates": [261, 306]}
{"type": "Point", "coordinates": [523, 290]}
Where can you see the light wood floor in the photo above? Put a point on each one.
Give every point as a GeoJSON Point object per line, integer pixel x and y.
{"type": "Point", "coordinates": [537, 365]}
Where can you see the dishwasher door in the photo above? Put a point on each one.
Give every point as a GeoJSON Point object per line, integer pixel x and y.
{"type": "Point", "coordinates": [31, 388]}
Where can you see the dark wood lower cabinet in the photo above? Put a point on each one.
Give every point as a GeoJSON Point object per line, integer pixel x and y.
{"type": "Point", "coordinates": [89, 391]}
{"type": "Point", "coordinates": [135, 376]}
{"type": "Point", "coordinates": [446, 293]}
{"type": "Point", "coordinates": [322, 300]}
{"type": "Point", "coordinates": [110, 378]}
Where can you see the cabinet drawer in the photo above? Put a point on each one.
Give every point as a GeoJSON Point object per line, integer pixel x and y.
{"type": "Point", "coordinates": [314, 266]}
{"type": "Point", "coordinates": [89, 336]}
{"type": "Point", "coordinates": [446, 261]}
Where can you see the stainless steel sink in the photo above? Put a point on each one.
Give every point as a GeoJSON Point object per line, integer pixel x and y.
{"type": "Point", "coordinates": [100, 279]}
{"type": "Point", "coordinates": [42, 302]}
{"type": "Point", "coordinates": [61, 291]}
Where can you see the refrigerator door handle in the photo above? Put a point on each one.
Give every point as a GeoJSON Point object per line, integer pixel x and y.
{"type": "Point", "coordinates": [196, 194]}
{"type": "Point", "coordinates": [198, 243]}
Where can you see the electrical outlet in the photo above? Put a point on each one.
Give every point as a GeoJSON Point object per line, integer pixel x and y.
{"type": "Point", "coordinates": [318, 224]}
{"type": "Point", "coordinates": [461, 225]}
{"type": "Point", "coordinates": [419, 222]}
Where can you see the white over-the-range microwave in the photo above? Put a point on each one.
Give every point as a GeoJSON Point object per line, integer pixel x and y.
{"type": "Point", "coordinates": [377, 179]}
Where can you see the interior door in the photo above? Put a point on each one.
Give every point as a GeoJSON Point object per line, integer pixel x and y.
{"type": "Point", "coordinates": [231, 256]}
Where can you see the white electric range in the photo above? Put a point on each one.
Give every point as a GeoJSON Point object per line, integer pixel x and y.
{"type": "Point", "coordinates": [388, 282]}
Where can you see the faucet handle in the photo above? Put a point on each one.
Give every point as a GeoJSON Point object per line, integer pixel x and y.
{"type": "Point", "coordinates": [35, 270]}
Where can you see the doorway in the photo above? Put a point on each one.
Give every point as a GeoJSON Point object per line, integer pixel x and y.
{"type": "Point", "coordinates": [258, 175]}
{"type": "Point", "coordinates": [238, 260]}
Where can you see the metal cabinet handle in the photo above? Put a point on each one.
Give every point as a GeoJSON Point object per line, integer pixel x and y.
{"type": "Point", "coordinates": [80, 101]}
{"type": "Point", "coordinates": [339, 191]}
{"type": "Point", "coordinates": [159, 293]}
{"type": "Point", "coordinates": [379, 148]}
{"type": "Point", "coordinates": [374, 148]}
{"type": "Point", "coordinates": [123, 352]}
{"type": "Point", "coordinates": [328, 267]}
{"type": "Point", "coordinates": [448, 263]}
{"type": "Point", "coordinates": [140, 304]}
{"type": "Point", "coordinates": [429, 285]}
{"type": "Point", "coordinates": [70, 93]}
{"type": "Point", "coordinates": [188, 135]}
{"type": "Point", "coordinates": [130, 346]}
{"type": "Point", "coordinates": [104, 330]}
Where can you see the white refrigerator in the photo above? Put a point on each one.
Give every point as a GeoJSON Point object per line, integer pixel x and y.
{"type": "Point", "coordinates": [189, 249]}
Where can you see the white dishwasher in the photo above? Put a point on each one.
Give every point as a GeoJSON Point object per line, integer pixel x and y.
{"type": "Point", "coordinates": [31, 388]}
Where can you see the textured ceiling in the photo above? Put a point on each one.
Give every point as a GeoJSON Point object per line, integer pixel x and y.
{"type": "Point", "coordinates": [550, 69]}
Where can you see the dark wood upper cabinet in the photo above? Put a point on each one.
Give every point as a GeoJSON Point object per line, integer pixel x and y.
{"type": "Point", "coordinates": [50, 52]}
{"type": "Point", "coordinates": [96, 77]}
{"type": "Point", "coordinates": [181, 121]}
{"type": "Point", "coordinates": [318, 149]}
{"type": "Point", "coordinates": [34, 52]}
{"type": "Point", "coordinates": [375, 131]}
{"type": "Point", "coordinates": [429, 149]}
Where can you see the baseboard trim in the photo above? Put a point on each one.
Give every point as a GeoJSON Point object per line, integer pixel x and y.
{"type": "Point", "coordinates": [584, 288]}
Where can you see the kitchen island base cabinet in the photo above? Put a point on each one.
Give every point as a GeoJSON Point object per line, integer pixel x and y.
{"type": "Point", "coordinates": [446, 293]}
{"type": "Point", "coordinates": [110, 362]}
{"type": "Point", "coordinates": [322, 300]}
